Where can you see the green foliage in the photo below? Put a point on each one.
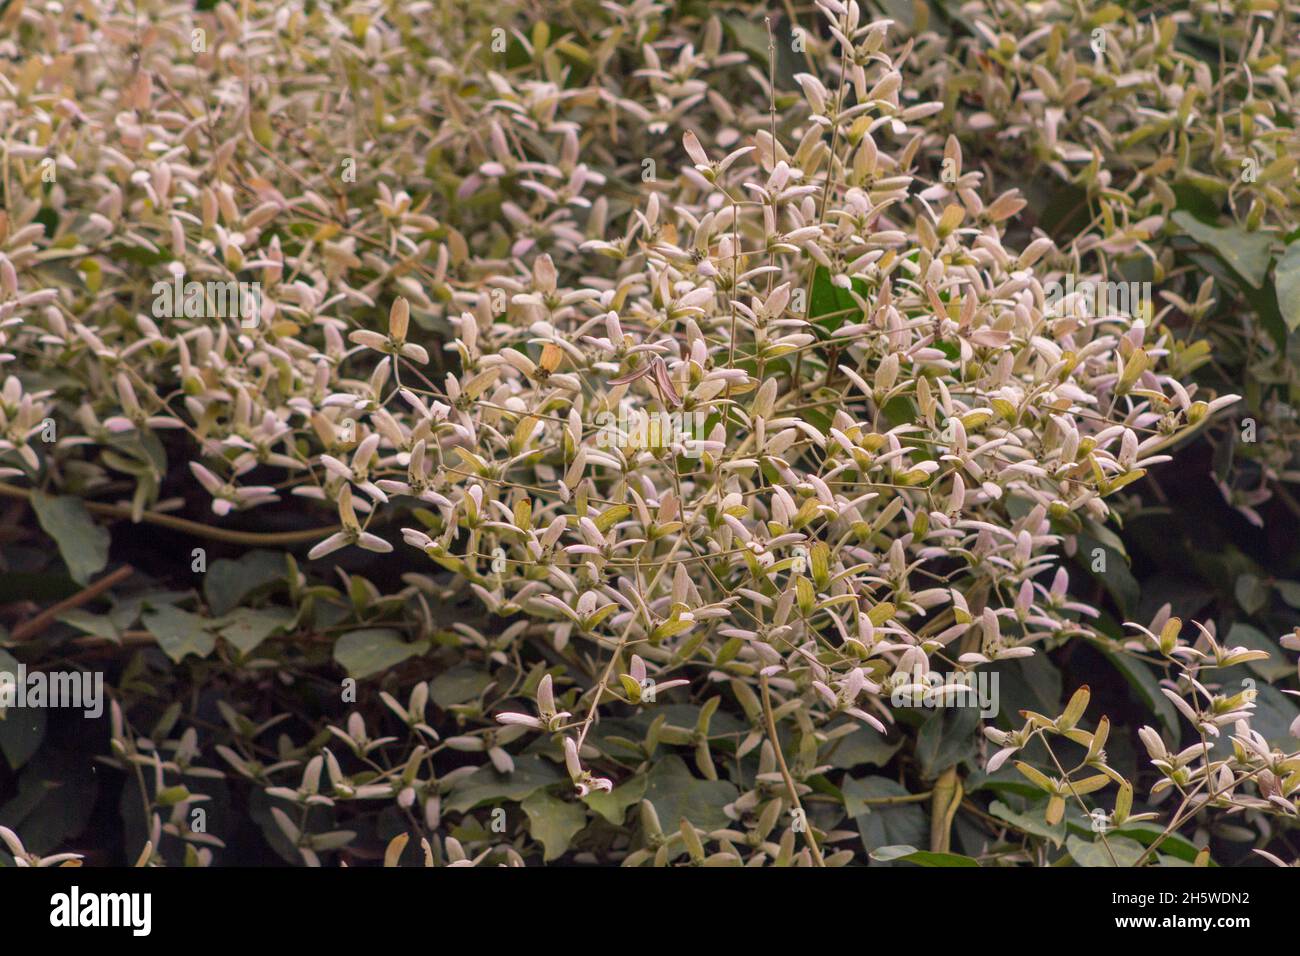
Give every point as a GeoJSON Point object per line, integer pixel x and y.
{"type": "Point", "coordinates": [387, 591]}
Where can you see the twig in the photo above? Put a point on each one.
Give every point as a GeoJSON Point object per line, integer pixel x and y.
{"type": "Point", "coordinates": [897, 801]}
{"type": "Point", "coordinates": [34, 626]}
{"type": "Point", "coordinates": [785, 772]}
{"type": "Point", "coordinates": [251, 538]}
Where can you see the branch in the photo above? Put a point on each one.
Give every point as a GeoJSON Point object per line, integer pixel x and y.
{"type": "Point", "coordinates": [34, 626]}
{"type": "Point", "coordinates": [785, 773]}
{"type": "Point", "coordinates": [251, 538]}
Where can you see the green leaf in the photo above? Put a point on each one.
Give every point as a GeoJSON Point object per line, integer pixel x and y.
{"type": "Point", "coordinates": [21, 729]}
{"type": "Point", "coordinates": [55, 798]}
{"type": "Point", "coordinates": [676, 793]}
{"type": "Point", "coordinates": [1029, 823]}
{"type": "Point", "coordinates": [1064, 206]}
{"type": "Point", "coordinates": [1248, 253]}
{"type": "Point", "coordinates": [1192, 198]}
{"type": "Point", "coordinates": [946, 738]}
{"type": "Point", "coordinates": [460, 684]}
{"type": "Point", "coordinates": [749, 34]}
{"type": "Point", "coordinates": [179, 632]}
{"type": "Point", "coordinates": [246, 628]}
{"type": "Point", "coordinates": [863, 747]}
{"type": "Point", "coordinates": [553, 822]}
{"type": "Point", "coordinates": [39, 586]}
{"type": "Point", "coordinates": [613, 806]}
{"type": "Point", "coordinates": [1275, 668]}
{"type": "Point", "coordinates": [1251, 593]}
{"type": "Point", "coordinates": [1286, 281]}
{"type": "Point", "coordinates": [486, 785]}
{"type": "Point", "coordinates": [1174, 844]}
{"type": "Point", "coordinates": [1141, 679]}
{"type": "Point", "coordinates": [374, 649]}
{"type": "Point", "coordinates": [1126, 852]}
{"type": "Point", "coordinates": [1289, 591]}
{"type": "Point", "coordinates": [82, 543]}
{"type": "Point", "coordinates": [1116, 577]}
{"type": "Point", "coordinates": [910, 854]}
{"type": "Point", "coordinates": [100, 625]}
{"type": "Point", "coordinates": [1265, 304]}
{"type": "Point", "coordinates": [227, 583]}
{"type": "Point", "coordinates": [881, 826]}
{"type": "Point", "coordinates": [828, 299]}
{"type": "Point", "coordinates": [1026, 683]}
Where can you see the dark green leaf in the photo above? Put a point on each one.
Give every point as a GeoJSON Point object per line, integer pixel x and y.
{"type": "Point", "coordinates": [485, 785]}
{"type": "Point", "coordinates": [676, 793]}
{"type": "Point", "coordinates": [459, 684]}
{"type": "Point", "coordinates": [1125, 852]}
{"type": "Point", "coordinates": [180, 633]}
{"type": "Point", "coordinates": [946, 738]}
{"type": "Point", "coordinates": [1140, 678]}
{"type": "Point", "coordinates": [1286, 280]}
{"type": "Point", "coordinates": [227, 583]}
{"type": "Point", "coordinates": [883, 825]}
{"type": "Point", "coordinates": [910, 854]}
{"type": "Point", "coordinates": [246, 628]}
{"type": "Point", "coordinates": [374, 649]}
{"type": "Point", "coordinates": [82, 543]}
{"type": "Point", "coordinates": [21, 728]}
{"type": "Point", "coordinates": [613, 806]}
{"type": "Point", "coordinates": [1032, 822]}
{"type": "Point", "coordinates": [830, 300]}
{"type": "Point", "coordinates": [553, 822]}
{"type": "Point", "coordinates": [1248, 253]}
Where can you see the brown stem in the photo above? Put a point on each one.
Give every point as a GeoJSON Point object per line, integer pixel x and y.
{"type": "Point", "coordinates": [34, 626]}
{"type": "Point", "coordinates": [947, 795]}
{"type": "Point", "coordinates": [785, 773]}
{"type": "Point", "coordinates": [250, 538]}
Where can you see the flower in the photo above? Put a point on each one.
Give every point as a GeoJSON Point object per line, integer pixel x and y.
{"type": "Point", "coordinates": [351, 533]}
{"type": "Point", "coordinates": [548, 717]}
{"type": "Point", "coordinates": [395, 342]}
{"type": "Point", "coordinates": [25, 859]}
{"type": "Point", "coordinates": [583, 781]}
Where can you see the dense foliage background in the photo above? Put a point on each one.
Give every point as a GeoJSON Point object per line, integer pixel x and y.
{"type": "Point", "coordinates": [318, 554]}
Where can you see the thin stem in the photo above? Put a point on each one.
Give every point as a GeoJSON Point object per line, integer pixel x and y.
{"type": "Point", "coordinates": [229, 536]}
{"type": "Point", "coordinates": [785, 773]}
{"type": "Point", "coordinates": [31, 628]}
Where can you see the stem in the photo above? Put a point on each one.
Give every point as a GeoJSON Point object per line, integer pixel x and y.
{"type": "Point", "coordinates": [251, 538]}
{"type": "Point", "coordinates": [785, 772]}
{"type": "Point", "coordinates": [1074, 793]}
{"type": "Point", "coordinates": [34, 626]}
{"type": "Point", "coordinates": [947, 798]}
{"type": "Point", "coordinates": [897, 801]}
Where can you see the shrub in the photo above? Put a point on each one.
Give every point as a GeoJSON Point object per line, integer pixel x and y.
{"type": "Point", "coordinates": [735, 402]}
